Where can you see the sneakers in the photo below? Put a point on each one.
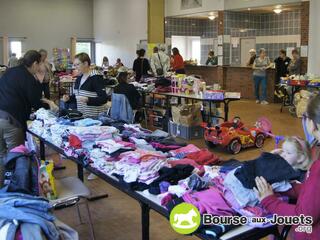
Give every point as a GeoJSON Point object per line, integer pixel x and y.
{"type": "Point", "coordinates": [264, 103]}
{"type": "Point", "coordinates": [257, 101]}
{"type": "Point", "coordinates": [92, 177]}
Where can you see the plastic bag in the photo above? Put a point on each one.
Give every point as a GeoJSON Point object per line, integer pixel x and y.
{"type": "Point", "coordinates": [46, 180]}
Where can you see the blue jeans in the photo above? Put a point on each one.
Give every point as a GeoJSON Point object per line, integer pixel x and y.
{"type": "Point", "coordinates": [260, 80]}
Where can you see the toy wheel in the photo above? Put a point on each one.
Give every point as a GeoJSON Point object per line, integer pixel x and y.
{"type": "Point", "coordinates": [235, 146]}
{"type": "Point", "coordinates": [210, 144]}
{"type": "Point", "coordinates": [259, 140]}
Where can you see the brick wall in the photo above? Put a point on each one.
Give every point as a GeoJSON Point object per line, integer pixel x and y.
{"type": "Point", "coordinates": [233, 79]}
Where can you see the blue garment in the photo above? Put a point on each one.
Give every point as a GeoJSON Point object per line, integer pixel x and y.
{"type": "Point", "coordinates": [260, 80]}
{"type": "Point", "coordinates": [28, 209]}
{"type": "Point", "coordinates": [121, 108]}
{"type": "Point", "coordinates": [87, 122]}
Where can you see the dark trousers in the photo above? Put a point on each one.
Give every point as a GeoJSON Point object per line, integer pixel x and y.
{"type": "Point", "coordinates": [46, 90]}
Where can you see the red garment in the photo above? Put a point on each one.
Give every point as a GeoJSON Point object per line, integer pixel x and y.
{"type": "Point", "coordinates": [308, 202]}
{"type": "Point", "coordinates": [204, 157]}
{"type": "Point", "coordinates": [74, 141]}
{"type": "Point", "coordinates": [177, 62]}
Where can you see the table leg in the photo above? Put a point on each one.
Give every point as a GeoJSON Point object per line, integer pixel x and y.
{"type": "Point", "coordinates": [42, 151]}
{"type": "Point", "coordinates": [145, 220]}
{"type": "Point", "coordinates": [80, 171]}
{"type": "Point", "coordinates": [226, 110]}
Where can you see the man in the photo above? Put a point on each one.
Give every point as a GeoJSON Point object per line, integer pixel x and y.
{"type": "Point", "coordinates": [13, 61]}
{"type": "Point", "coordinates": [282, 63]}
{"type": "Point", "coordinates": [159, 61]}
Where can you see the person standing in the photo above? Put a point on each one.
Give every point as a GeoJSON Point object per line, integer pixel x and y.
{"type": "Point", "coordinates": [13, 61]}
{"type": "Point", "coordinates": [294, 67]}
{"type": "Point", "coordinates": [212, 59]}
{"type": "Point", "coordinates": [45, 74]}
{"type": "Point", "coordinates": [20, 92]}
{"type": "Point", "coordinates": [89, 89]}
{"type": "Point", "coordinates": [141, 65]}
{"type": "Point", "coordinates": [260, 65]}
{"type": "Point", "coordinates": [159, 61]}
{"type": "Point", "coordinates": [253, 56]}
{"type": "Point", "coordinates": [105, 62]}
{"type": "Point", "coordinates": [282, 62]}
{"type": "Point", "coordinates": [177, 61]}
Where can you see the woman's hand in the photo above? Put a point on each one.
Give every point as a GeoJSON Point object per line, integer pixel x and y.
{"type": "Point", "coordinates": [65, 98]}
{"type": "Point", "coordinates": [263, 189]}
{"type": "Point", "coordinates": [52, 105]}
{"type": "Point", "coordinates": [83, 99]}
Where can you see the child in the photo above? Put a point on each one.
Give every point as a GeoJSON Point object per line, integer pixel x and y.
{"type": "Point", "coordinates": [296, 152]}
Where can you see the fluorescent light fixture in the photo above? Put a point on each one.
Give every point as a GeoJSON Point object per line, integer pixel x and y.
{"type": "Point", "coordinates": [277, 10]}
{"type": "Point", "coordinates": [211, 17]}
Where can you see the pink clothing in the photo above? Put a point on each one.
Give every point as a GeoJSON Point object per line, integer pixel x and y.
{"type": "Point", "coordinates": [190, 148]}
{"type": "Point", "coordinates": [20, 149]}
{"type": "Point", "coordinates": [209, 201]}
{"type": "Point", "coordinates": [308, 199]}
{"type": "Point", "coordinates": [204, 157]}
{"type": "Point", "coordinates": [185, 161]}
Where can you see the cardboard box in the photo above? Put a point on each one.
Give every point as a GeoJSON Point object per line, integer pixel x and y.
{"type": "Point", "coordinates": [185, 132]}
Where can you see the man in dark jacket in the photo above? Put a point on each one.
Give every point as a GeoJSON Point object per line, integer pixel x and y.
{"type": "Point", "coordinates": [282, 63]}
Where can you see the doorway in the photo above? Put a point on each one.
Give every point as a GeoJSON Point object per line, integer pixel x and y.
{"type": "Point", "coordinates": [245, 45]}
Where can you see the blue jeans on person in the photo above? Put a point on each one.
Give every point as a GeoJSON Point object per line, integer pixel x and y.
{"type": "Point", "coordinates": [260, 80]}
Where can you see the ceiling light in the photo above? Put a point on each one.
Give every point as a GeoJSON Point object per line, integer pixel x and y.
{"type": "Point", "coordinates": [277, 10]}
{"type": "Point", "coordinates": [211, 17]}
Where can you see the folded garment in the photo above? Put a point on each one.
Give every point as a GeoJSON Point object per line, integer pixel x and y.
{"type": "Point", "coordinates": [197, 183]}
{"type": "Point", "coordinates": [203, 157]}
{"type": "Point", "coordinates": [185, 161]}
{"type": "Point", "coordinates": [87, 122]}
{"type": "Point", "coordinates": [270, 166]}
{"type": "Point", "coordinates": [171, 175]}
{"type": "Point", "coordinates": [209, 201]}
{"type": "Point", "coordinates": [190, 148]}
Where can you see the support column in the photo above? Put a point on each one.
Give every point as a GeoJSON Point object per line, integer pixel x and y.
{"type": "Point", "coordinates": [156, 21]}
{"type": "Point", "coordinates": [5, 47]}
{"type": "Point", "coordinates": [73, 48]}
{"type": "Point", "coordinates": [314, 38]}
{"type": "Point", "coordinates": [305, 33]}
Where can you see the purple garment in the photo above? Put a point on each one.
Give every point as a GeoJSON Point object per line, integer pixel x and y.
{"type": "Point", "coordinates": [164, 186]}
{"type": "Point", "coordinates": [162, 146]}
{"type": "Point", "coordinates": [209, 201]}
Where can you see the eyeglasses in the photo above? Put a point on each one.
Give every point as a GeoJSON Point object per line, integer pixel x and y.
{"type": "Point", "coordinates": [305, 117]}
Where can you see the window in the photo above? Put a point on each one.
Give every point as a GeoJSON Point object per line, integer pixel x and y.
{"type": "Point", "coordinates": [189, 46]}
{"type": "Point", "coordinates": [84, 47]}
{"type": "Point", "coordinates": [16, 47]}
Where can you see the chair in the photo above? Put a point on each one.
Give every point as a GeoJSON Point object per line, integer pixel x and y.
{"type": "Point", "coordinates": [70, 191]}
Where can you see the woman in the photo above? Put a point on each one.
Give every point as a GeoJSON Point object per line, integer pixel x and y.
{"type": "Point", "coordinates": [141, 65]}
{"type": "Point", "coordinates": [282, 62]}
{"type": "Point", "coordinates": [307, 194]}
{"type": "Point", "coordinates": [89, 89]}
{"type": "Point", "coordinates": [212, 59]}
{"type": "Point", "coordinates": [294, 67]}
{"type": "Point", "coordinates": [105, 62]}
{"type": "Point", "coordinates": [45, 73]}
{"type": "Point", "coordinates": [19, 93]}
{"type": "Point", "coordinates": [177, 62]}
{"type": "Point", "coordinates": [260, 65]}
{"type": "Point", "coordinates": [128, 90]}
{"type": "Point", "coordinates": [118, 63]}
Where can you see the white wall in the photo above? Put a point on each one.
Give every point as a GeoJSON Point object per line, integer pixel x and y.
{"type": "Point", "coordinates": [45, 23]}
{"type": "Point", "coordinates": [173, 7]}
{"type": "Point", "coordinates": [314, 38]}
{"type": "Point", "coordinates": [119, 25]}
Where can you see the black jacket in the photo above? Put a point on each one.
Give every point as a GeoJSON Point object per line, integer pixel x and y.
{"type": "Point", "coordinates": [282, 67]}
{"type": "Point", "coordinates": [141, 67]}
{"type": "Point", "coordinates": [19, 93]}
{"type": "Point", "coordinates": [131, 93]}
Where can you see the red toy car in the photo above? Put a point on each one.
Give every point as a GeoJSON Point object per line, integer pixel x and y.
{"type": "Point", "coordinates": [234, 135]}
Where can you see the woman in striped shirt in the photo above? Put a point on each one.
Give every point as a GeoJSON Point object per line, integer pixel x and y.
{"type": "Point", "coordinates": [89, 89]}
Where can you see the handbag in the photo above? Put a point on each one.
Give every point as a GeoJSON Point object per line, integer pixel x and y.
{"type": "Point", "coordinates": [160, 71]}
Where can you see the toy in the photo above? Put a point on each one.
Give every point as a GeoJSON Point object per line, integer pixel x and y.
{"type": "Point", "coordinates": [234, 135]}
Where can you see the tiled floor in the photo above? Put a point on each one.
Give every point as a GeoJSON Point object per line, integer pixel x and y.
{"type": "Point", "coordinates": [118, 217]}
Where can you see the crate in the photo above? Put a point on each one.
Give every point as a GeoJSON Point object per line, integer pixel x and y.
{"type": "Point", "coordinates": [185, 132]}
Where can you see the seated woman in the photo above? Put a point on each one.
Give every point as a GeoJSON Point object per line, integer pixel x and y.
{"type": "Point", "coordinates": [307, 194]}
{"type": "Point", "coordinates": [128, 90]}
{"type": "Point", "coordinates": [89, 89]}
